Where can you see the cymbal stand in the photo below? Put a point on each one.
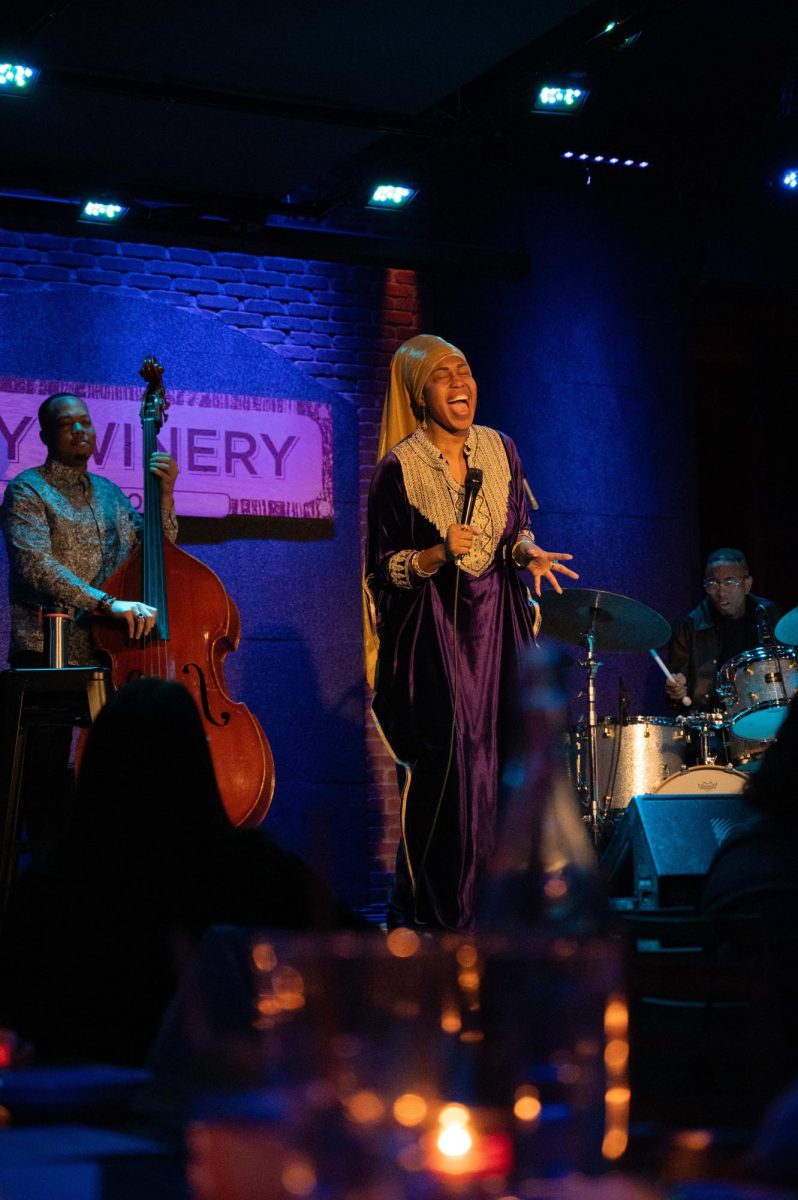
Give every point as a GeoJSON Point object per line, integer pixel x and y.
{"type": "Point", "coordinates": [705, 757]}
{"type": "Point", "coordinates": [591, 664]}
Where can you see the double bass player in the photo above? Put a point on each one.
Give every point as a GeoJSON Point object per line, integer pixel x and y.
{"type": "Point", "coordinates": [155, 611]}
{"type": "Point", "coordinates": [67, 531]}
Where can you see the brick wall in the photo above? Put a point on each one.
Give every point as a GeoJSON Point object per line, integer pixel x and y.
{"type": "Point", "coordinates": [338, 323]}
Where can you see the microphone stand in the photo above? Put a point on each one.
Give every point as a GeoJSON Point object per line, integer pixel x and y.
{"type": "Point", "coordinates": [591, 664]}
{"type": "Point", "coordinates": [769, 643]}
{"type": "Point", "coordinates": [763, 629]}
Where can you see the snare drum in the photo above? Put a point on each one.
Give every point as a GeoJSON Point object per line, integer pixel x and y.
{"type": "Point", "coordinates": [756, 688]}
{"type": "Point", "coordinates": [632, 758]}
{"type": "Point", "coordinates": [703, 781]}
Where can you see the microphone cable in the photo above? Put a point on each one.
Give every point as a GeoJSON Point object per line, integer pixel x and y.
{"type": "Point", "coordinates": [452, 734]}
{"type": "Point", "coordinates": [474, 479]}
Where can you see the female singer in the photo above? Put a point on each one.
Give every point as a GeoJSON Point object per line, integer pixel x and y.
{"type": "Point", "coordinates": [451, 615]}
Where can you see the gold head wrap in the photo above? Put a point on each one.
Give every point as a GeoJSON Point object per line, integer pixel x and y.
{"type": "Point", "coordinates": [411, 367]}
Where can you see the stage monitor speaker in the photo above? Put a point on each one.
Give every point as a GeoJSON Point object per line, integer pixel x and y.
{"type": "Point", "coordinates": [671, 841]}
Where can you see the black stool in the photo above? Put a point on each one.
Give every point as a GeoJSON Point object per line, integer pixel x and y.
{"type": "Point", "coordinates": [62, 696]}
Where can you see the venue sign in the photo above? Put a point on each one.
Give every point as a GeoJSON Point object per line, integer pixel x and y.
{"type": "Point", "coordinates": [238, 455]}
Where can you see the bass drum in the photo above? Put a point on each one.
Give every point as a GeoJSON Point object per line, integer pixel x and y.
{"type": "Point", "coordinates": [703, 781]}
{"type": "Point", "coordinates": [632, 757]}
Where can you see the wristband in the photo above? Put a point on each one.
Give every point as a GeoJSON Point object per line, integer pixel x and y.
{"type": "Point", "coordinates": [525, 536]}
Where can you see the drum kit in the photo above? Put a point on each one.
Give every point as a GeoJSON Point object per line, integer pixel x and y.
{"type": "Point", "coordinates": [700, 753]}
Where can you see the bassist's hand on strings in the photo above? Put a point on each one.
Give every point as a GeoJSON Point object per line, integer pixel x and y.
{"type": "Point", "coordinates": [165, 467]}
{"type": "Point", "coordinates": [138, 616]}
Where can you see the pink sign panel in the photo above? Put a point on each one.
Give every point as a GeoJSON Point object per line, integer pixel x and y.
{"type": "Point", "coordinates": [242, 455]}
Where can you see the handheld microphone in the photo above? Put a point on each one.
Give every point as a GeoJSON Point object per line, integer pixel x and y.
{"type": "Point", "coordinates": [473, 482]}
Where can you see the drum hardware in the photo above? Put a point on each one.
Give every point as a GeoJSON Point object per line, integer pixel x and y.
{"type": "Point", "coordinates": [749, 763]}
{"type": "Point", "coordinates": [597, 620]}
{"type": "Point", "coordinates": [742, 754]}
{"type": "Point", "coordinates": [705, 724]}
{"type": "Point", "coordinates": [591, 664]}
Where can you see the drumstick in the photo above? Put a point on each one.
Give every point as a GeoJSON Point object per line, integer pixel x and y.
{"type": "Point", "coordinates": [686, 701]}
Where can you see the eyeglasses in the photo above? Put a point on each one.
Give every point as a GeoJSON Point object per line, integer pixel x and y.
{"type": "Point", "coordinates": [712, 585]}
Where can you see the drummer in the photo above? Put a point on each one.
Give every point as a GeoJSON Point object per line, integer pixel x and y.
{"type": "Point", "coordinates": [728, 621]}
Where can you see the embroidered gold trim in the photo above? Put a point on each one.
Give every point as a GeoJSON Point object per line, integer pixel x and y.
{"type": "Point", "coordinates": [432, 490]}
{"type": "Point", "coordinates": [399, 569]}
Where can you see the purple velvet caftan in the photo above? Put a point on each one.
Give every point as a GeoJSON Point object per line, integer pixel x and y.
{"type": "Point", "coordinates": [423, 663]}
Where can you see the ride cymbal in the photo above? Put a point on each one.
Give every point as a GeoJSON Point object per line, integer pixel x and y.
{"type": "Point", "coordinates": [616, 622]}
{"type": "Point", "coordinates": [787, 628]}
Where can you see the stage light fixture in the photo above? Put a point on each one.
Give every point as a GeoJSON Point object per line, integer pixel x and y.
{"type": "Point", "coordinates": [627, 42]}
{"type": "Point", "coordinates": [391, 195]}
{"type": "Point", "coordinates": [560, 99]}
{"type": "Point", "coordinates": [16, 79]}
{"type": "Point", "coordinates": [789, 180]}
{"type": "Point", "coordinates": [620, 41]}
{"type": "Point", "coordinates": [603, 159]}
{"type": "Point", "coordinates": [101, 212]}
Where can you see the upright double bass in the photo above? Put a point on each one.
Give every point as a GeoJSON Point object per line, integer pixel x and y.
{"type": "Point", "coordinates": [196, 627]}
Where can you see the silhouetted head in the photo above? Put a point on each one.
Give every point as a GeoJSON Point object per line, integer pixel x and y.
{"type": "Point", "coordinates": [147, 774]}
{"type": "Point", "coordinates": [773, 788]}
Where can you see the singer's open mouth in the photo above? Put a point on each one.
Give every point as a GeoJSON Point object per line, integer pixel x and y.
{"type": "Point", "coordinates": [460, 404]}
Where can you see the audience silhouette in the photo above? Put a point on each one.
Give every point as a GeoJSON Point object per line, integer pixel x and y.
{"type": "Point", "coordinates": [755, 870]}
{"type": "Point", "coordinates": [96, 938]}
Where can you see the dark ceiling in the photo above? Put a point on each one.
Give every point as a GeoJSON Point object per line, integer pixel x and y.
{"type": "Point", "coordinates": [264, 122]}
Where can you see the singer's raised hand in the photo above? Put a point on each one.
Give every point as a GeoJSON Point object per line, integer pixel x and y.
{"type": "Point", "coordinates": [543, 563]}
{"type": "Point", "coordinates": [459, 540]}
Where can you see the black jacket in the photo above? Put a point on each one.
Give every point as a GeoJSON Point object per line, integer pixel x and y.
{"type": "Point", "coordinates": [694, 648]}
